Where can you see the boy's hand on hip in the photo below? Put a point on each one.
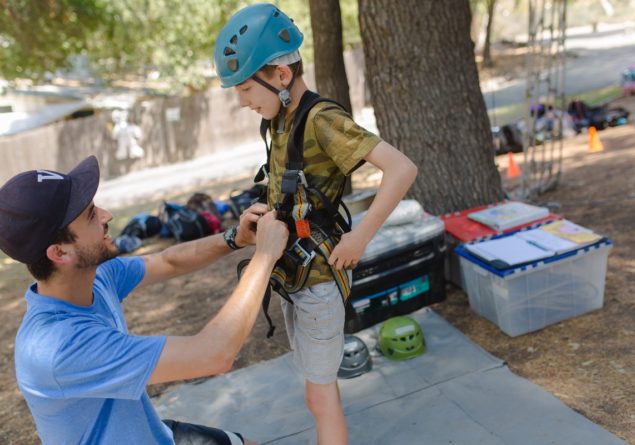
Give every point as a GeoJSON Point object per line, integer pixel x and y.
{"type": "Point", "coordinates": [348, 251]}
{"type": "Point", "coordinates": [246, 234]}
{"type": "Point", "coordinates": [271, 236]}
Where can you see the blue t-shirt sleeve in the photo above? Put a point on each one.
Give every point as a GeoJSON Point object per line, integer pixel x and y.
{"type": "Point", "coordinates": [124, 273]}
{"type": "Point", "coordinates": [102, 362]}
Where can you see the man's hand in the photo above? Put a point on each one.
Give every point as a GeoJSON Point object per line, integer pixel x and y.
{"type": "Point", "coordinates": [214, 349]}
{"type": "Point", "coordinates": [348, 251]}
{"type": "Point", "coordinates": [246, 234]}
{"type": "Point", "coordinates": [271, 236]}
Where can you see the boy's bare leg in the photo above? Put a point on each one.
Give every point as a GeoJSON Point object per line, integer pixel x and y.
{"type": "Point", "coordinates": [324, 403]}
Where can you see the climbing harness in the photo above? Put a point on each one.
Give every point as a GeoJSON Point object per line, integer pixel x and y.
{"type": "Point", "coordinates": [316, 229]}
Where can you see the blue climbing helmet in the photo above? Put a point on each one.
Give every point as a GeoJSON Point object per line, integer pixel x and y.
{"type": "Point", "coordinates": [253, 37]}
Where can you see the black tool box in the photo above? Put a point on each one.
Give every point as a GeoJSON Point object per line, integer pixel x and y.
{"type": "Point", "coordinates": [400, 272]}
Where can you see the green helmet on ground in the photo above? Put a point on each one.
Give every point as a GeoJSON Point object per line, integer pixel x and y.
{"type": "Point", "coordinates": [401, 338]}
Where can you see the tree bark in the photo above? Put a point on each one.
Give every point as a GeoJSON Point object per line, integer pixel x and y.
{"type": "Point", "coordinates": [422, 75]}
{"type": "Point", "coordinates": [328, 49]}
{"type": "Point", "coordinates": [330, 74]}
{"type": "Point", "coordinates": [487, 53]}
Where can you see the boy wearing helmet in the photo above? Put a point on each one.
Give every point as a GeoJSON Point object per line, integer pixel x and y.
{"type": "Point", "coordinates": [257, 54]}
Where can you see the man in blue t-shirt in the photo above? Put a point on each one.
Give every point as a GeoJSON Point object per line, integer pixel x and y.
{"type": "Point", "coordinates": [82, 374]}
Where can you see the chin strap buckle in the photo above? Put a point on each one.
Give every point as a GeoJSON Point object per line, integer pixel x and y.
{"type": "Point", "coordinates": [285, 97]}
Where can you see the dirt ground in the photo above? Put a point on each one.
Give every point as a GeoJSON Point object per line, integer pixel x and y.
{"type": "Point", "coordinates": [588, 362]}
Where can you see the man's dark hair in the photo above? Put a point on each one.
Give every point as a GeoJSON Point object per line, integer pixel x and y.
{"type": "Point", "coordinates": [296, 68]}
{"type": "Point", "coordinates": [43, 268]}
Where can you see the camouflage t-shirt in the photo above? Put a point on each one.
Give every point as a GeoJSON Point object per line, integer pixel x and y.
{"type": "Point", "coordinates": [334, 146]}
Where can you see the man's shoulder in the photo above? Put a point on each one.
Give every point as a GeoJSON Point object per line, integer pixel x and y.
{"type": "Point", "coordinates": [48, 326]}
{"type": "Point", "coordinates": [119, 265]}
{"type": "Point", "coordinates": [41, 336]}
{"type": "Point", "coordinates": [118, 262]}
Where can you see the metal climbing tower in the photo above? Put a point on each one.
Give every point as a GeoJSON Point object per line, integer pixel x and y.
{"type": "Point", "coordinates": [545, 97]}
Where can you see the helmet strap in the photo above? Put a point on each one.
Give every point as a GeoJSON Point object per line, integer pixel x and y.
{"type": "Point", "coordinates": [283, 95]}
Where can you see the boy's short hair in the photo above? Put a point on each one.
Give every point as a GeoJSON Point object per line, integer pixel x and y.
{"type": "Point", "coordinates": [297, 68]}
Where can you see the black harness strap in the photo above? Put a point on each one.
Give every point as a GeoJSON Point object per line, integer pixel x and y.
{"type": "Point", "coordinates": [292, 176]}
{"type": "Point", "coordinates": [295, 143]}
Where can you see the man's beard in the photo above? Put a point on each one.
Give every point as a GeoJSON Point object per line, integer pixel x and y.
{"type": "Point", "coordinates": [93, 256]}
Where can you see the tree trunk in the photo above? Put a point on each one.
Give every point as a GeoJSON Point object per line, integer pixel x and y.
{"type": "Point", "coordinates": [422, 75]}
{"type": "Point", "coordinates": [330, 73]}
{"type": "Point", "coordinates": [487, 54]}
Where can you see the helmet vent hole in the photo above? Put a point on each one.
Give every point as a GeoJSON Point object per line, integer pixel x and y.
{"type": "Point", "coordinates": [234, 39]}
{"type": "Point", "coordinates": [284, 35]}
{"type": "Point", "coordinates": [232, 64]}
{"type": "Point", "coordinates": [243, 30]}
{"type": "Point", "coordinates": [276, 14]}
{"type": "Point", "coordinates": [228, 51]}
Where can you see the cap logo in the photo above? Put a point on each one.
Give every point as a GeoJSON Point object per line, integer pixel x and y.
{"type": "Point", "coordinates": [43, 175]}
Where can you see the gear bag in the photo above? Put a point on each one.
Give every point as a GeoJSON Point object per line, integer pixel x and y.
{"type": "Point", "coordinates": [239, 200]}
{"type": "Point", "coordinates": [184, 224]}
{"type": "Point", "coordinates": [142, 225]}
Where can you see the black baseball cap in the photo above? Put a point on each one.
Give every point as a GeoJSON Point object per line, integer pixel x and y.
{"type": "Point", "coordinates": [35, 205]}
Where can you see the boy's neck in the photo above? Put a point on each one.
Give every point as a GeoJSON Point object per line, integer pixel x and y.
{"type": "Point", "coordinates": [297, 90]}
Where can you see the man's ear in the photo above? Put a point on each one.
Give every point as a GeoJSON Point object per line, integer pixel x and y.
{"type": "Point", "coordinates": [58, 253]}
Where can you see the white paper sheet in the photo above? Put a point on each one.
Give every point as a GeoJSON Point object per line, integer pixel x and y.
{"type": "Point", "coordinates": [547, 241]}
{"type": "Point", "coordinates": [511, 250]}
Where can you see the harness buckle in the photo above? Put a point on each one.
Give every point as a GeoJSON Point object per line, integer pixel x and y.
{"type": "Point", "coordinates": [302, 178]}
{"type": "Point", "coordinates": [318, 235]}
{"type": "Point", "coordinates": [291, 179]}
{"type": "Point", "coordinates": [299, 254]}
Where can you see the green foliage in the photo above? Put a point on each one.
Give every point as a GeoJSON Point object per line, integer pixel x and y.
{"type": "Point", "coordinates": [38, 36]}
{"type": "Point", "coordinates": [119, 38]}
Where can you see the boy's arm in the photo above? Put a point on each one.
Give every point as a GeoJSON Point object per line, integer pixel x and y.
{"type": "Point", "coordinates": [399, 173]}
{"type": "Point", "coordinates": [188, 257]}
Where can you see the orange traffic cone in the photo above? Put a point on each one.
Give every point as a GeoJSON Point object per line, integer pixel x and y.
{"type": "Point", "coordinates": [513, 171]}
{"type": "Point", "coordinates": [595, 144]}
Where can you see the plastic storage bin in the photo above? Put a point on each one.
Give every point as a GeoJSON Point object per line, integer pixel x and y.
{"type": "Point", "coordinates": [460, 229]}
{"type": "Point", "coordinates": [527, 298]}
{"type": "Point", "coordinates": [400, 272]}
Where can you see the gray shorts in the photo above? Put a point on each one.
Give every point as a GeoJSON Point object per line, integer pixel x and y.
{"type": "Point", "coordinates": [315, 326]}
